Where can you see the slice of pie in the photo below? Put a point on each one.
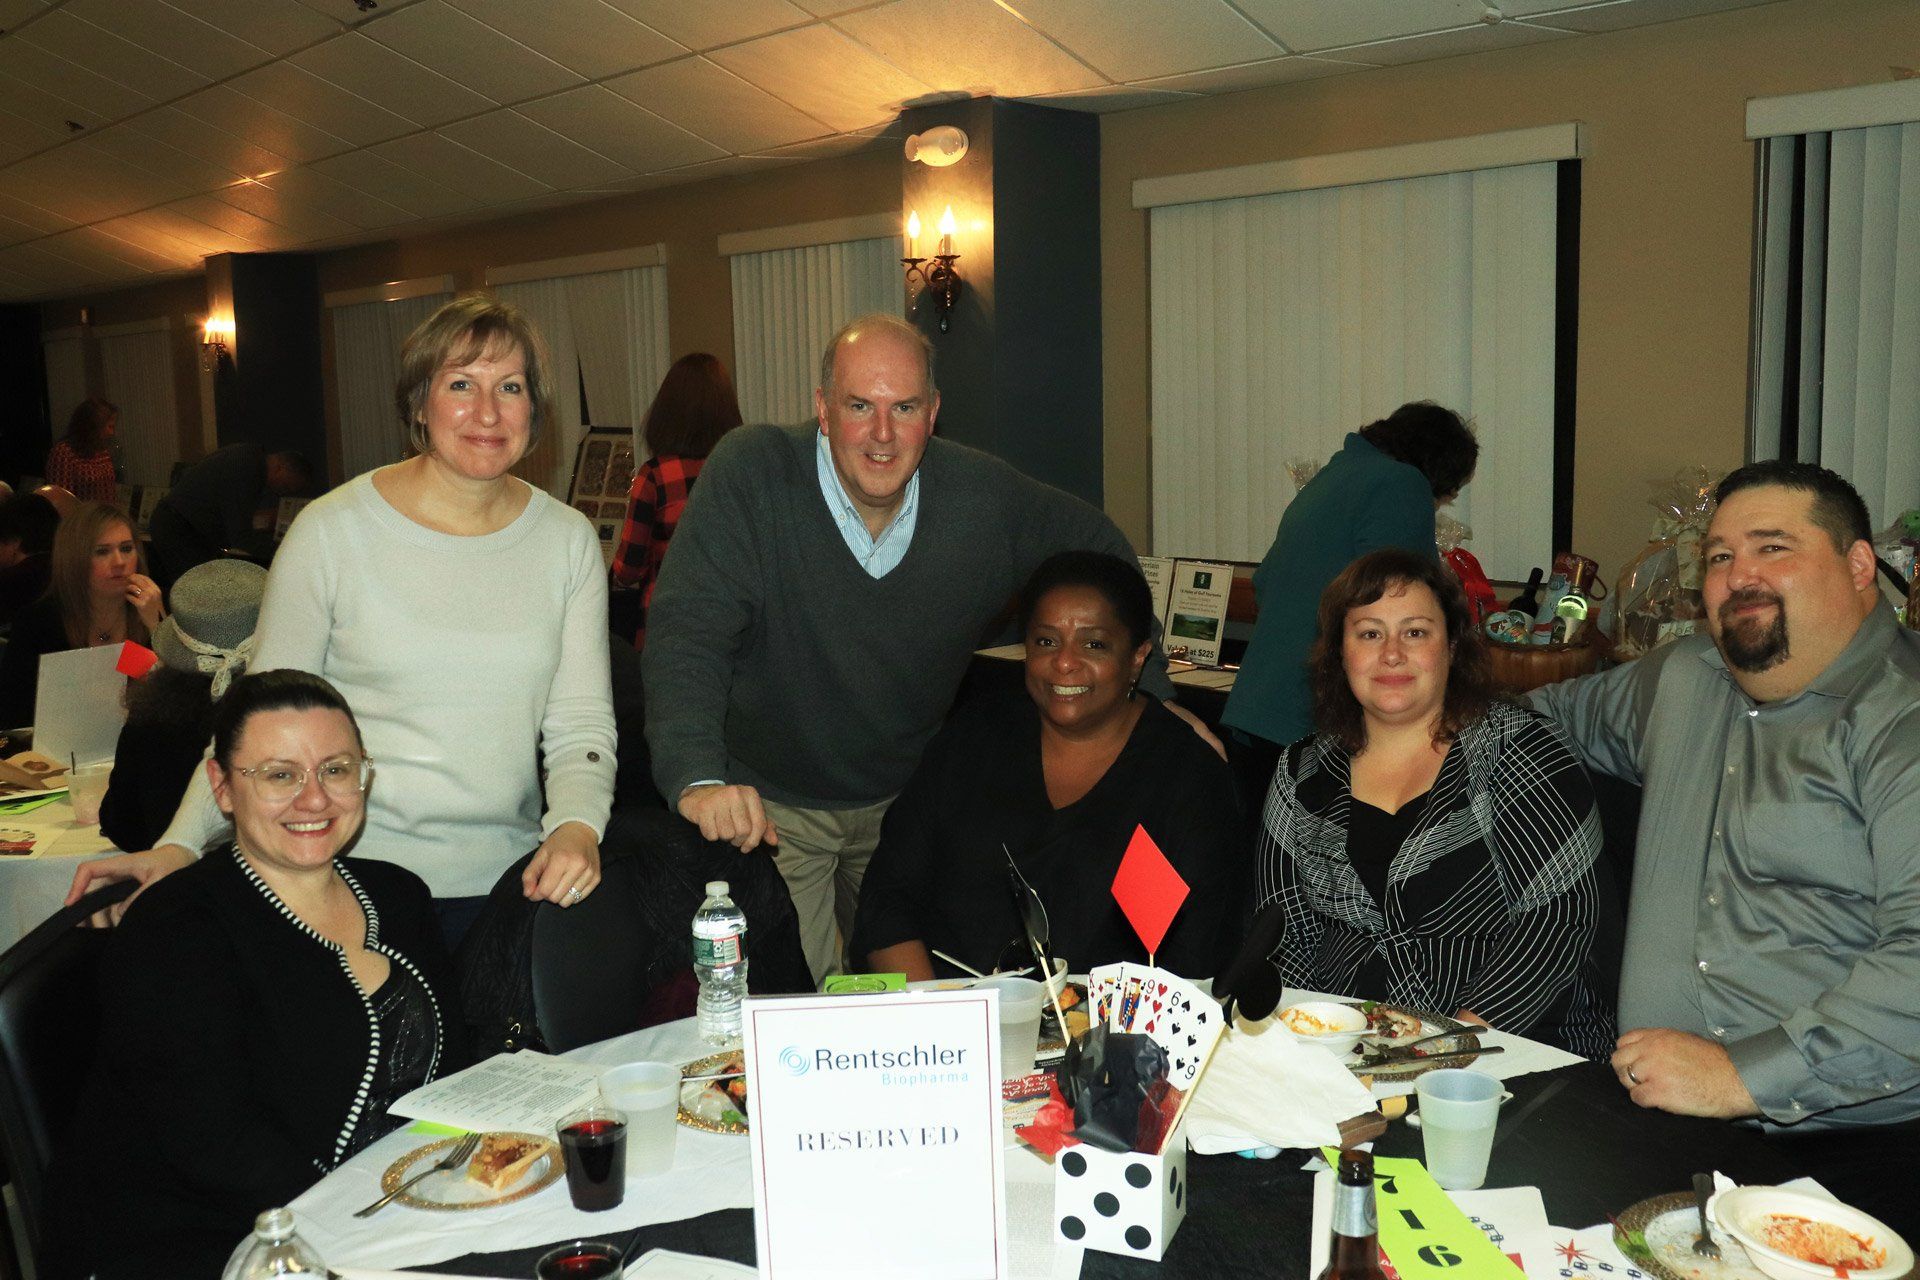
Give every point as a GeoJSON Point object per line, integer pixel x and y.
{"type": "Point", "coordinates": [504, 1158]}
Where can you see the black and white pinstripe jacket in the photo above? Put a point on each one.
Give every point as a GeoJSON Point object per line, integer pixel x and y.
{"type": "Point", "coordinates": [1491, 902]}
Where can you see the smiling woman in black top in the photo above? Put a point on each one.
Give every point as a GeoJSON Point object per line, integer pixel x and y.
{"type": "Point", "coordinates": [1060, 778]}
{"type": "Point", "coordinates": [1432, 846]}
{"type": "Point", "coordinates": [262, 1008]}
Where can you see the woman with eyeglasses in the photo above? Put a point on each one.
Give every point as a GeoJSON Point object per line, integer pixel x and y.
{"type": "Point", "coordinates": [264, 1007]}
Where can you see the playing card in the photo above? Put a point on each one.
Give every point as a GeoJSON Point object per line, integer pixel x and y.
{"type": "Point", "coordinates": [1103, 986]}
{"type": "Point", "coordinates": [1128, 1003]}
{"type": "Point", "coordinates": [1188, 1026]}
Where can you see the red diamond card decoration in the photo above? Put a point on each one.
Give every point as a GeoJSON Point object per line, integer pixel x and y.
{"type": "Point", "coordinates": [1148, 889]}
{"type": "Point", "coordinates": [135, 660]}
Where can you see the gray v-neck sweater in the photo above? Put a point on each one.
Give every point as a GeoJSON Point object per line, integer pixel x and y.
{"type": "Point", "coordinates": [774, 659]}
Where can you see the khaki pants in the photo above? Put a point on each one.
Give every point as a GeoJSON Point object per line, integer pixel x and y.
{"type": "Point", "coordinates": [822, 855]}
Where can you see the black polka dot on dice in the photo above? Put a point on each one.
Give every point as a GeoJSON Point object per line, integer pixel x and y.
{"type": "Point", "coordinates": [1072, 1228]}
{"type": "Point", "coordinates": [1138, 1237]}
{"type": "Point", "coordinates": [1138, 1175]}
{"type": "Point", "coordinates": [1074, 1163]}
{"type": "Point", "coordinates": [1106, 1204]}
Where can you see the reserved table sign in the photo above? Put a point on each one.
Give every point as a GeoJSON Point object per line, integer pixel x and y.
{"type": "Point", "coordinates": [877, 1147]}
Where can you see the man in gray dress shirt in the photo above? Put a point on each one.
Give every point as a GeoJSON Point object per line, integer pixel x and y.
{"type": "Point", "coordinates": [1773, 939]}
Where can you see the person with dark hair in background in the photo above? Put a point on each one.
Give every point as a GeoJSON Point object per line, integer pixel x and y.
{"type": "Point", "coordinates": [263, 1009]}
{"type": "Point", "coordinates": [1431, 845]}
{"type": "Point", "coordinates": [203, 644]}
{"type": "Point", "coordinates": [226, 501]}
{"type": "Point", "coordinates": [1381, 490]}
{"type": "Point", "coordinates": [82, 460]}
{"type": "Point", "coordinates": [100, 596]}
{"type": "Point", "coordinates": [28, 523]}
{"type": "Point", "coordinates": [694, 407]}
{"type": "Point", "coordinates": [1057, 780]}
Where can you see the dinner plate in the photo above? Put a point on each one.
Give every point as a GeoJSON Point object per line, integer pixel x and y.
{"type": "Point", "coordinates": [700, 1106]}
{"type": "Point", "coordinates": [1658, 1234]}
{"type": "Point", "coordinates": [1430, 1024]}
{"type": "Point", "coordinates": [452, 1190]}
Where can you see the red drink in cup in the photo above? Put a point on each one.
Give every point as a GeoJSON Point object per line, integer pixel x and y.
{"type": "Point", "coordinates": [594, 1142]}
{"type": "Point", "coordinates": [581, 1260]}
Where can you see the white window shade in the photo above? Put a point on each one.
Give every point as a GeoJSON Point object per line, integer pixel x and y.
{"type": "Point", "coordinates": [366, 361]}
{"type": "Point", "coordinates": [66, 379]}
{"type": "Point", "coordinates": [788, 302]}
{"type": "Point", "coordinates": [1282, 322]}
{"type": "Point", "coordinates": [136, 372]}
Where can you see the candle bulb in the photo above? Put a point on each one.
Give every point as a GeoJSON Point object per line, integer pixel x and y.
{"type": "Point", "coordinates": [913, 234]}
{"type": "Point", "coordinates": [946, 233]}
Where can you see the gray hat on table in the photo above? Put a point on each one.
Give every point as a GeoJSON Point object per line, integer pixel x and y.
{"type": "Point", "coordinates": [210, 631]}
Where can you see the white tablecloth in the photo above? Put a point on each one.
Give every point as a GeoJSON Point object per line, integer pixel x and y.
{"type": "Point", "coordinates": [33, 887]}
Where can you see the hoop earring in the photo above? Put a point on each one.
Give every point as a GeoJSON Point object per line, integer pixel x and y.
{"type": "Point", "coordinates": [1134, 687]}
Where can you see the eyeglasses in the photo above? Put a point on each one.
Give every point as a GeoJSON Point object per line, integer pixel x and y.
{"type": "Point", "coordinates": [279, 781]}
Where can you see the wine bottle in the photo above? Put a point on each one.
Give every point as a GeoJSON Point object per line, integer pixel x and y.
{"type": "Point", "coordinates": [1528, 601]}
{"type": "Point", "coordinates": [1355, 1250]}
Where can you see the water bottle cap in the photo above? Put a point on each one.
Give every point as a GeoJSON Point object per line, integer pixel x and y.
{"type": "Point", "coordinates": [717, 888]}
{"type": "Point", "coordinates": [274, 1225]}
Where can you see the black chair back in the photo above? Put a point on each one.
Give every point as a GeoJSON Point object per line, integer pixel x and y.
{"type": "Point", "coordinates": [49, 1031]}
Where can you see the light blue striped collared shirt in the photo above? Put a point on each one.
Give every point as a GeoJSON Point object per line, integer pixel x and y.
{"type": "Point", "coordinates": [878, 556]}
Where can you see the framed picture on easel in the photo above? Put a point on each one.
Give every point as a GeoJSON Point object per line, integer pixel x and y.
{"type": "Point", "coordinates": [602, 475]}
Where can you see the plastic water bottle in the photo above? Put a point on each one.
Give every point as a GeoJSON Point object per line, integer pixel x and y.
{"type": "Point", "coordinates": [720, 963]}
{"type": "Point", "coordinates": [276, 1250]}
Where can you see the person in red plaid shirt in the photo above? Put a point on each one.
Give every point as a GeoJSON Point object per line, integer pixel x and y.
{"type": "Point", "coordinates": [694, 407]}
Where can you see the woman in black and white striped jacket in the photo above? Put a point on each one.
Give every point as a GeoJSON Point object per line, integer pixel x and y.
{"type": "Point", "coordinates": [1430, 845]}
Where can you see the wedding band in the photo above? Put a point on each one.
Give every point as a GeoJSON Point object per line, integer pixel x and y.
{"type": "Point", "coordinates": [573, 894]}
{"type": "Point", "coordinates": [1632, 1077]}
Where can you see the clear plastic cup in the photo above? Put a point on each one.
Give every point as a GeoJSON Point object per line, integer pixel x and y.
{"type": "Point", "coordinates": [1021, 1000]}
{"type": "Point", "coordinates": [648, 1094]}
{"type": "Point", "coordinates": [1458, 1112]}
{"type": "Point", "coordinates": [87, 787]}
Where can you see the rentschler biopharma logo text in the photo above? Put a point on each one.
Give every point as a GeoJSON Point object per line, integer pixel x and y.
{"type": "Point", "coordinates": [907, 1065]}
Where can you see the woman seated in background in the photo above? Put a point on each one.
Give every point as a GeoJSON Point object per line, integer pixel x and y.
{"type": "Point", "coordinates": [1431, 846]}
{"type": "Point", "coordinates": [101, 595]}
{"type": "Point", "coordinates": [82, 460]}
{"type": "Point", "coordinates": [203, 645]}
{"type": "Point", "coordinates": [1058, 780]}
{"type": "Point", "coordinates": [694, 407]}
{"type": "Point", "coordinates": [263, 1007]}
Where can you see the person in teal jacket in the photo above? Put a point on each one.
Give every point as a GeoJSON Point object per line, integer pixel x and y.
{"type": "Point", "coordinates": [1381, 490]}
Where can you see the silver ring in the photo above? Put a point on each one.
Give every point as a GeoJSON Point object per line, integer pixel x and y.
{"type": "Point", "coordinates": [1632, 1077]}
{"type": "Point", "coordinates": [573, 894]}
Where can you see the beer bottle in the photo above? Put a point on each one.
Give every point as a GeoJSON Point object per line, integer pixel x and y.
{"type": "Point", "coordinates": [1355, 1251]}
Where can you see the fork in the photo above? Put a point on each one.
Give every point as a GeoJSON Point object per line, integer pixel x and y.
{"type": "Point", "coordinates": [1702, 1192]}
{"type": "Point", "coordinates": [457, 1155]}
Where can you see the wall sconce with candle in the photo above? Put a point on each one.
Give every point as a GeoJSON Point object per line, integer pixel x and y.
{"type": "Point", "coordinates": [213, 342]}
{"type": "Point", "coordinates": [939, 281]}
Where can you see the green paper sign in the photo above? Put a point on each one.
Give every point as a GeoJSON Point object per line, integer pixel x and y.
{"type": "Point", "coordinates": [1423, 1232]}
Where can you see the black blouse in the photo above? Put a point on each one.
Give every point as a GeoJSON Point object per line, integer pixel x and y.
{"type": "Point", "coordinates": [939, 874]}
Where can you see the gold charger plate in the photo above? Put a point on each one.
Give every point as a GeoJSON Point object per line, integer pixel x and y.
{"type": "Point", "coordinates": [699, 1106]}
{"type": "Point", "coordinates": [1657, 1234]}
{"type": "Point", "coordinates": [452, 1191]}
{"type": "Point", "coordinates": [1430, 1024]}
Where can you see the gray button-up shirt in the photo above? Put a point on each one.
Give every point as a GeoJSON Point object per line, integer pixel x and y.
{"type": "Point", "coordinates": [1776, 883]}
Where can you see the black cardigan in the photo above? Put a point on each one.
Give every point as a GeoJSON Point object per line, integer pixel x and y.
{"type": "Point", "coordinates": [939, 875]}
{"type": "Point", "coordinates": [235, 1057]}
{"type": "Point", "coordinates": [38, 630]}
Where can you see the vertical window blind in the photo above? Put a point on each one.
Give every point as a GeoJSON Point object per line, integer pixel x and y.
{"type": "Point", "coordinates": [788, 302]}
{"type": "Point", "coordinates": [136, 370]}
{"type": "Point", "coordinates": [66, 378]}
{"type": "Point", "coordinates": [366, 361]}
{"type": "Point", "coordinates": [1280, 322]}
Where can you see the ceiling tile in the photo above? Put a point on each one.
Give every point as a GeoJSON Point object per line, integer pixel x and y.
{"type": "Point", "coordinates": [99, 98]}
{"type": "Point", "coordinates": [535, 150]}
{"type": "Point", "coordinates": [51, 273]}
{"type": "Point", "coordinates": [180, 131]}
{"type": "Point", "coordinates": [90, 244]}
{"type": "Point", "coordinates": [349, 12]}
{"type": "Point", "coordinates": [827, 8]}
{"type": "Point", "coordinates": [43, 110]}
{"type": "Point", "coordinates": [21, 136]}
{"type": "Point", "coordinates": [12, 232]}
{"type": "Point", "coordinates": [218, 213]}
{"type": "Point", "coordinates": [1254, 75]}
{"type": "Point", "coordinates": [161, 237]}
{"type": "Point", "coordinates": [470, 52]}
{"type": "Point", "coordinates": [390, 80]}
{"type": "Point", "coordinates": [1307, 26]}
{"type": "Point", "coordinates": [396, 184]}
{"type": "Point", "coordinates": [278, 26]}
{"type": "Point", "coordinates": [261, 125]}
{"type": "Point", "coordinates": [142, 151]}
{"type": "Point", "coordinates": [586, 36]}
{"type": "Point", "coordinates": [1159, 37]}
{"type": "Point", "coordinates": [840, 144]}
{"type": "Point", "coordinates": [823, 73]}
{"type": "Point", "coordinates": [41, 219]}
{"type": "Point", "coordinates": [208, 239]}
{"type": "Point", "coordinates": [15, 12]}
{"type": "Point", "coordinates": [702, 26]}
{"type": "Point", "coordinates": [106, 54]}
{"type": "Point", "coordinates": [305, 96]}
{"type": "Point", "coordinates": [1633, 13]}
{"type": "Point", "coordinates": [274, 206]}
{"type": "Point", "coordinates": [1112, 97]}
{"type": "Point", "coordinates": [442, 160]}
{"type": "Point", "coordinates": [619, 130]}
{"type": "Point", "coordinates": [717, 105]}
{"type": "Point", "coordinates": [349, 204]}
{"type": "Point", "coordinates": [1445, 44]}
{"type": "Point", "coordinates": [166, 31]}
{"type": "Point", "coordinates": [993, 52]}
{"type": "Point", "coordinates": [86, 184]}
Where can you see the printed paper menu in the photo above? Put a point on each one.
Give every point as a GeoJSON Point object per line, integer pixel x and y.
{"type": "Point", "coordinates": [1197, 612]}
